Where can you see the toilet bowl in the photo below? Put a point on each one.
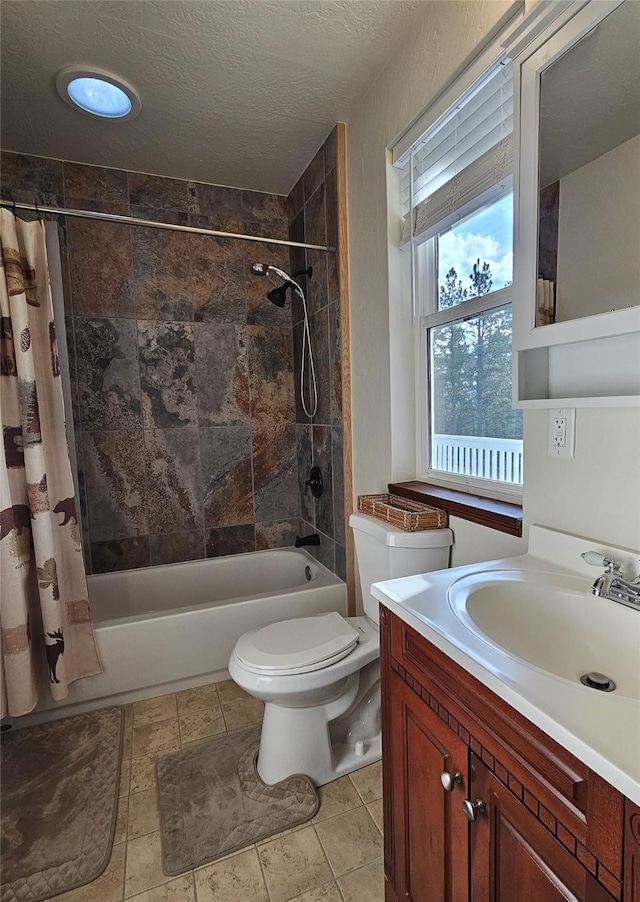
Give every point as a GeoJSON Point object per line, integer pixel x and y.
{"type": "Point", "coordinates": [319, 677]}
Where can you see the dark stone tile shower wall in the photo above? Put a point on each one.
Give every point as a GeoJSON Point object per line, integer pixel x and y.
{"type": "Point", "coordinates": [182, 372]}
{"type": "Point", "coordinates": [313, 218]}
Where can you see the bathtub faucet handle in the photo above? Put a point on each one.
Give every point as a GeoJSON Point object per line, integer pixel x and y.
{"type": "Point", "coordinates": [313, 539]}
{"type": "Point", "coordinates": [314, 482]}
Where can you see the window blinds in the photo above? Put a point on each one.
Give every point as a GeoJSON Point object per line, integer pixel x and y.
{"type": "Point", "coordinates": [466, 151]}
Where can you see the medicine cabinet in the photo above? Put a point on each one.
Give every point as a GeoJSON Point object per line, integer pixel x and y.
{"type": "Point", "coordinates": [576, 317]}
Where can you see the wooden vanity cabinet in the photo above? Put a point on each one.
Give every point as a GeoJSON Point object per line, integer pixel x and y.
{"type": "Point", "coordinates": [631, 852]}
{"type": "Point", "coordinates": [431, 850]}
{"type": "Point", "coordinates": [548, 828]}
{"type": "Point", "coordinates": [514, 857]}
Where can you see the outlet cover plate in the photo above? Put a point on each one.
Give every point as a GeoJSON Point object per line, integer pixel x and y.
{"type": "Point", "coordinates": [562, 432]}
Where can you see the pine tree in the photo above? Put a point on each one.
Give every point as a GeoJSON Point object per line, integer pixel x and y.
{"type": "Point", "coordinates": [472, 364]}
{"type": "Point", "coordinates": [451, 364]}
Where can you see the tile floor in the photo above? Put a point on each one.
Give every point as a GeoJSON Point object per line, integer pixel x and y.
{"type": "Point", "coordinates": [334, 858]}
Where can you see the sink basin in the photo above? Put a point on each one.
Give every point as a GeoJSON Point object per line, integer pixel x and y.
{"type": "Point", "coordinates": [552, 622]}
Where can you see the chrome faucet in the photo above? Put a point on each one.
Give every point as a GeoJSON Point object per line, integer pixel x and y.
{"type": "Point", "coordinates": [612, 584]}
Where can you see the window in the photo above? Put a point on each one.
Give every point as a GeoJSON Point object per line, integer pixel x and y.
{"type": "Point", "coordinates": [486, 234]}
{"type": "Point", "coordinates": [459, 234]}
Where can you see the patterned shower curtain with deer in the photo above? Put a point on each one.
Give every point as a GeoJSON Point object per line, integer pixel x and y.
{"type": "Point", "coordinates": [47, 635]}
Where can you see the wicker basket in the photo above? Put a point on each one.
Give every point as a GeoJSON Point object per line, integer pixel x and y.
{"type": "Point", "coordinates": [403, 513]}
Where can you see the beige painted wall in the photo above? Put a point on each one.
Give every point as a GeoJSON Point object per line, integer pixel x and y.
{"type": "Point", "coordinates": [383, 376]}
{"type": "Point", "coordinates": [598, 493]}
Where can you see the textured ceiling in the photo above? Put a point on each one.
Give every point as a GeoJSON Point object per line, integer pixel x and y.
{"type": "Point", "coordinates": [234, 92]}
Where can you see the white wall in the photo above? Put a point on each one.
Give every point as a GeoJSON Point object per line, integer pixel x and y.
{"type": "Point", "coordinates": [597, 495]}
{"type": "Point", "coordinates": [473, 543]}
{"type": "Point", "coordinates": [599, 234]}
{"type": "Point", "coordinates": [382, 359]}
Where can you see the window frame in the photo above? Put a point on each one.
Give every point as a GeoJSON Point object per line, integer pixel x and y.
{"type": "Point", "coordinates": [425, 290]}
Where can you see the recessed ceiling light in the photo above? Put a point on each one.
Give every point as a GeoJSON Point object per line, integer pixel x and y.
{"type": "Point", "coordinates": [97, 93]}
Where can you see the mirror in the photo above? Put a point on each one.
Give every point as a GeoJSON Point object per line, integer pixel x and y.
{"type": "Point", "coordinates": [589, 173]}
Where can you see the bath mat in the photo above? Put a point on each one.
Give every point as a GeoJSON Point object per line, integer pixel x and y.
{"type": "Point", "coordinates": [60, 786]}
{"type": "Point", "coordinates": [212, 801]}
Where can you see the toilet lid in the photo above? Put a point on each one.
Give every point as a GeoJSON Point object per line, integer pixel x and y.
{"type": "Point", "coordinates": [296, 646]}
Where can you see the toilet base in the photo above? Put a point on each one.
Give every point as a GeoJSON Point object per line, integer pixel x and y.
{"type": "Point", "coordinates": [347, 760]}
{"type": "Point", "coordinates": [324, 742]}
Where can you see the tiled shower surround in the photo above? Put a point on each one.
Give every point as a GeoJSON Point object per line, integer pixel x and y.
{"type": "Point", "coordinates": [182, 372]}
{"type": "Point", "coordinates": [313, 219]}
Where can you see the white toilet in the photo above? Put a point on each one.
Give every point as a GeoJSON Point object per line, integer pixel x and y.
{"type": "Point", "coordinates": [320, 676]}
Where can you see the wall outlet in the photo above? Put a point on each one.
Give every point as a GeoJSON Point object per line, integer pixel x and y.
{"type": "Point", "coordinates": [562, 432]}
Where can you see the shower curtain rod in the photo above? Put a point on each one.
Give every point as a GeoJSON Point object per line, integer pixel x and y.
{"type": "Point", "coordinates": [132, 220]}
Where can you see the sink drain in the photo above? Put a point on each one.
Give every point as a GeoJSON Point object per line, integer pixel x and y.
{"type": "Point", "coordinates": [598, 681]}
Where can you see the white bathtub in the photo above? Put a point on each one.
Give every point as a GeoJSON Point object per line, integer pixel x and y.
{"type": "Point", "coordinates": [173, 627]}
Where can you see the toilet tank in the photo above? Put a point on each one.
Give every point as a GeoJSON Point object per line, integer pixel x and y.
{"type": "Point", "coordinates": [385, 552]}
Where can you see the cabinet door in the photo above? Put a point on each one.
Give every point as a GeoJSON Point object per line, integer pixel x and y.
{"type": "Point", "coordinates": [431, 835]}
{"type": "Point", "coordinates": [514, 857]}
{"type": "Point", "coordinates": [631, 852]}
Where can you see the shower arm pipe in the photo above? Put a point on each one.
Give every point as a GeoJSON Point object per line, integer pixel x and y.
{"type": "Point", "coordinates": [132, 220]}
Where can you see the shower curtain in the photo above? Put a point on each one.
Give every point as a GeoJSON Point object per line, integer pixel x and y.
{"type": "Point", "coordinates": [47, 635]}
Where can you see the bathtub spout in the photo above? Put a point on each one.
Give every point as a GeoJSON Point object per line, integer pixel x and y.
{"type": "Point", "coordinates": [308, 540]}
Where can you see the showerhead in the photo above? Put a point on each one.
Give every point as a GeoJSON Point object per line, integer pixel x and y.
{"type": "Point", "coordinates": [265, 269]}
{"type": "Point", "coordinates": [278, 296]}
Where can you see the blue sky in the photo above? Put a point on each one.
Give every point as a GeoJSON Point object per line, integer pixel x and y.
{"type": "Point", "coordinates": [488, 235]}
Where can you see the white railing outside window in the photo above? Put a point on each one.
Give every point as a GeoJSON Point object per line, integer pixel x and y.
{"type": "Point", "coordinates": [486, 458]}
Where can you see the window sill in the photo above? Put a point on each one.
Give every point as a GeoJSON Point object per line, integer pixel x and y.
{"type": "Point", "coordinates": [500, 515]}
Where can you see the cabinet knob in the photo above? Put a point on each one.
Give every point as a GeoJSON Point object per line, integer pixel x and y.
{"type": "Point", "coordinates": [472, 809]}
{"type": "Point", "coordinates": [449, 780]}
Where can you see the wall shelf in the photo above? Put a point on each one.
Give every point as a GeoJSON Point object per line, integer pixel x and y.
{"type": "Point", "coordinates": [596, 373]}
{"type": "Point", "coordinates": [591, 360]}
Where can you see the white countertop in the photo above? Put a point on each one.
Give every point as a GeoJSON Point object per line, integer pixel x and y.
{"type": "Point", "coordinates": [601, 729]}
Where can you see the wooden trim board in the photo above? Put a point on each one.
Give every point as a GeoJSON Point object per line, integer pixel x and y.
{"type": "Point", "coordinates": [343, 269]}
{"type": "Point", "coordinates": [499, 515]}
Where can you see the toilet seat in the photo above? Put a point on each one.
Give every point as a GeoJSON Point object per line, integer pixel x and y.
{"type": "Point", "coordinates": [301, 645]}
